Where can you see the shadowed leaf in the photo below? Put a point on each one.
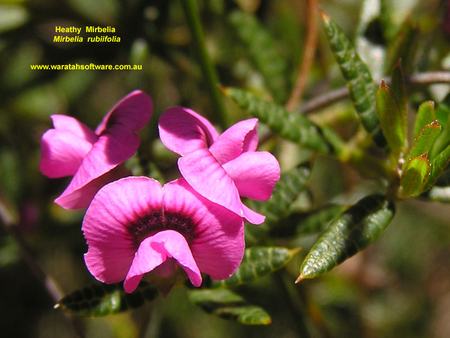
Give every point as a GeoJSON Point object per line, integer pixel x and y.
{"type": "Point", "coordinates": [99, 300]}
{"type": "Point", "coordinates": [263, 52]}
{"type": "Point", "coordinates": [226, 304]}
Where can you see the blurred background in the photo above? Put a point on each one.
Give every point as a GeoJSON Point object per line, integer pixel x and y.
{"type": "Point", "coordinates": [398, 287]}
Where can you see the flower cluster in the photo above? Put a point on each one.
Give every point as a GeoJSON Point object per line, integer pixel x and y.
{"type": "Point", "coordinates": [136, 228]}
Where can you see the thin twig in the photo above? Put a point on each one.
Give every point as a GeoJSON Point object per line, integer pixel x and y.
{"type": "Point", "coordinates": [308, 55]}
{"type": "Point", "coordinates": [334, 96]}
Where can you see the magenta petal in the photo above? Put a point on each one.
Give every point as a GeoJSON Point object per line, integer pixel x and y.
{"type": "Point", "coordinates": [202, 171]}
{"type": "Point", "coordinates": [154, 250]}
{"type": "Point", "coordinates": [183, 130]}
{"type": "Point", "coordinates": [70, 124]}
{"type": "Point", "coordinates": [237, 139]}
{"type": "Point", "coordinates": [218, 242]}
{"type": "Point", "coordinates": [254, 174]}
{"type": "Point", "coordinates": [252, 216]}
{"type": "Point", "coordinates": [132, 112]}
{"type": "Point", "coordinates": [62, 153]}
{"type": "Point", "coordinates": [106, 225]}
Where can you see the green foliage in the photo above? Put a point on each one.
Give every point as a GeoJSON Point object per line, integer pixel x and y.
{"type": "Point", "coordinates": [414, 176]}
{"type": "Point", "coordinates": [348, 234]}
{"type": "Point", "coordinates": [359, 80]}
{"type": "Point", "coordinates": [392, 120]}
{"type": "Point", "coordinates": [286, 191]}
{"type": "Point", "coordinates": [425, 116]}
{"type": "Point", "coordinates": [261, 47]}
{"type": "Point", "coordinates": [257, 262]}
{"type": "Point", "coordinates": [226, 304]}
{"type": "Point", "coordinates": [294, 127]}
{"type": "Point", "coordinates": [425, 140]}
{"type": "Point", "coordinates": [105, 299]}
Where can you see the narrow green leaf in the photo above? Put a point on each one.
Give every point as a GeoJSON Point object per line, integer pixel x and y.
{"type": "Point", "coordinates": [226, 304]}
{"type": "Point", "coordinates": [263, 52]}
{"type": "Point", "coordinates": [403, 46]}
{"type": "Point", "coordinates": [438, 164]}
{"type": "Point", "coordinates": [105, 299]}
{"type": "Point", "coordinates": [424, 141]}
{"type": "Point", "coordinates": [257, 262]}
{"type": "Point", "coordinates": [392, 121]}
{"type": "Point", "coordinates": [286, 191]}
{"type": "Point", "coordinates": [414, 176]}
{"type": "Point", "coordinates": [399, 89]}
{"type": "Point", "coordinates": [425, 115]}
{"type": "Point", "coordinates": [443, 117]}
{"type": "Point", "coordinates": [294, 127]}
{"type": "Point", "coordinates": [347, 234]}
{"type": "Point", "coordinates": [359, 80]}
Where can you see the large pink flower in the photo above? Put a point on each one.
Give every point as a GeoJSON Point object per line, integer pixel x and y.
{"type": "Point", "coordinates": [134, 226]}
{"type": "Point", "coordinates": [93, 158]}
{"type": "Point", "coordinates": [221, 167]}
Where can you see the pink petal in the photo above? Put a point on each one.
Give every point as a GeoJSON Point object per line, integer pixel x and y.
{"type": "Point", "coordinates": [132, 112]}
{"type": "Point", "coordinates": [113, 147]}
{"type": "Point", "coordinates": [252, 216]}
{"type": "Point", "coordinates": [70, 124]}
{"type": "Point", "coordinates": [62, 153]}
{"type": "Point", "coordinates": [115, 208]}
{"type": "Point", "coordinates": [183, 130]}
{"type": "Point", "coordinates": [202, 171]}
{"type": "Point", "coordinates": [154, 250]}
{"type": "Point", "coordinates": [218, 244]}
{"type": "Point", "coordinates": [240, 137]}
{"type": "Point", "coordinates": [254, 174]}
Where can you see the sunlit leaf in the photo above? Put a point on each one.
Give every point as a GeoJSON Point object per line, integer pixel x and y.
{"type": "Point", "coordinates": [414, 176]}
{"type": "Point", "coordinates": [286, 191]}
{"type": "Point", "coordinates": [257, 262]}
{"type": "Point", "coordinates": [294, 127]}
{"type": "Point", "coordinates": [226, 304]}
{"type": "Point", "coordinates": [443, 117]}
{"type": "Point", "coordinates": [262, 49]}
{"type": "Point", "coordinates": [425, 140]}
{"type": "Point", "coordinates": [105, 299]}
{"type": "Point", "coordinates": [359, 80]}
{"type": "Point", "coordinates": [425, 116]}
{"type": "Point", "coordinates": [438, 164]}
{"type": "Point", "coordinates": [348, 234]}
{"type": "Point", "coordinates": [393, 123]}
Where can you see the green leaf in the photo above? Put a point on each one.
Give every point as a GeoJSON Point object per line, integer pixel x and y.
{"type": "Point", "coordinates": [425, 116]}
{"type": "Point", "coordinates": [414, 176]}
{"type": "Point", "coordinates": [105, 299]}
{"type": "Point", "coordinates": [257, 262]}
{"type": "Point", "coordinates": [347, 234]}
{"type": "Point", "coordinates": [438, 164]}
{"type": "Point", "coordinates": [294, 127]}
{"type": "Point", "coordinates": [403, 46]}
{"type": "Point", "coordinates": [443, 117]}
{"type": "Point", "coordinates": [263, 52]}
{"type": "Point", "coordinates": [424, 141]}
{"type": "Point", "coordinates": [286, 191]}
{"type": "Point", "coordinates": [226, 304]}
{"type": "Point", "coordinates": [398, 87]}
{"type": "Point", "coordinates": [359, 80]}
{"type": "Point", "coordinates": [393, 123]}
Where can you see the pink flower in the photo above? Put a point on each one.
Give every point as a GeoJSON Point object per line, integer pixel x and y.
{"type": "Point", "coordinates": [93, 158]}
{"type": "Point", "coordinates": [134, 226]}
{"type": "Point", "coordinates": [221, 167]}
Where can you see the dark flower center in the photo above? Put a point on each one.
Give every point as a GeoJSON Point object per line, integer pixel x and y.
{"type": "Point", "coordinates": [159, 220]}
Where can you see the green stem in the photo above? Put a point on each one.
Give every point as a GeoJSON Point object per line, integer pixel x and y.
{"type": "Point", "coordinates": [208, 70]}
